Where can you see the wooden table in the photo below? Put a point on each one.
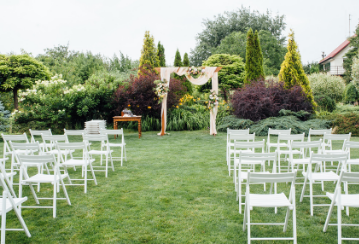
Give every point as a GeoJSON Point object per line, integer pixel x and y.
{"type": "Point", "coordinates": [117, 119]}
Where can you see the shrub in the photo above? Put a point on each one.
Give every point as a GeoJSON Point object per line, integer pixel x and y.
{"type": "Point", "coordinates": [350, 94]}
{"type": "Point", "coordinates": [345, 123]}
{"type": "Point", "coordinates": [138, 94]}
{"type": "Point", "coordinates": [326, 84]}
{"type": "Point", "coordinates": [4, 117]}
{"type": "Point", "coordinates": [260, 100]}
{"type": "Point", "coordinates": [355, 71]}
{"type": "Point", "coordinates": [325, 103]}
{"type": "Point", "coordinates": [232, 122]}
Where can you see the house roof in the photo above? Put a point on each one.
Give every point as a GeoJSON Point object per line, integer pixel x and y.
{"type": "Point", "coordinates": [335, 52]}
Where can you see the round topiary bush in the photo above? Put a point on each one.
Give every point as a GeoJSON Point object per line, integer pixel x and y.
{"type": "Point", "coordinates": [325, 84]}
{"type": "Point", "coordinates": [350, 94]}
{"type": "Point", "coordinates": [325, 103]}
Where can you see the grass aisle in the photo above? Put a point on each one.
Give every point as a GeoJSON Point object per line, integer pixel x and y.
{"type": "Point", "coordinates": [172, 189]}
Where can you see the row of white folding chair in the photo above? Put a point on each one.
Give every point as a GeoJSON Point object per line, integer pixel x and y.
{"type": "Point", "coordinates": [232, 138]}
{"type": "Point", "coordinates": [284, 146]}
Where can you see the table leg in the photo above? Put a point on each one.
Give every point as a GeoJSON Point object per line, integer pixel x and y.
{"type": "Point", "coordinates": [115, 127]}
{"type": "Point", "coordinates": [139, 129]}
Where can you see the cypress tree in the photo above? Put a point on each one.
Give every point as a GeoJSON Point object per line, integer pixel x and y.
{"type": "Point", "coordinates": [292, 72]}
{"type": "Point", "coordinates": [254, 58]}
{"type": "Point", "coordinates": [185, 60]}
{"type": "Point", "coordinates": [149, 52]}
{"type": "Point", "coordinates": [161, 54]}
{"type": "Point", "coordinates": [178, 60]}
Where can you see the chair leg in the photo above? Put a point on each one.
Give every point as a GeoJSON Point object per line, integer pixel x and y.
{"type": "Point", "coordinates": [3, 217]}
{"type": "Point", "coordinates": [65, 192]}
{"type": "Point", "coordinates": [85, 178]}
{"type": "Point", "coordinates": [249, 224]}
{"type": "Point", "coordinates": [245, 217]}
{"type": "Point", "coordinates": [93, 174]}
{"type": "Point", "coordinates": [106, 167]}
{"type": "Point", "coordinates": [304, 184]}
{"type": "Point", "coordinates": [311, 197]}
{"type": "Point", "coordinates": [286, 220]}
{"type": "Point", "coordinates": [328, 217]}
{"type": "Point", "coordinates": [339, 213]}
{"type": "Point", "coordinates": [54, 201]}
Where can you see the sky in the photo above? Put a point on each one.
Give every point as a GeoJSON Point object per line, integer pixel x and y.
{"type": "Point", "coordinates": [112, 26]}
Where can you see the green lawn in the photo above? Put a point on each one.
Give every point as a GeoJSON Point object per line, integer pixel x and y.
{"type": "Point", "coordinates": [172, 189]}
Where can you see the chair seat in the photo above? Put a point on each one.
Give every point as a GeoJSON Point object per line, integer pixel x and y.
{"type": "Point", "coordinates": [269, 200]}
{"type": "Point", "coordinates": [325, 176]}
{"type": "Point", "coordinates": [77, 162]}
{"type": "Point", "coordinates": [98, 152]}
{"type": "Point", "coordinates": [42, 178]}
{"type": "Point", "coordinates": [347, 200]}
{"type": "Point", "coordinates": [8, 207]}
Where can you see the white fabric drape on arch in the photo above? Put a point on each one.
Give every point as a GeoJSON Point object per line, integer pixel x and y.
{"type": "Point", "coordinates": [209, 72]}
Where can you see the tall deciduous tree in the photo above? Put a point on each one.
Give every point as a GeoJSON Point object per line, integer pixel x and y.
{"type": "Point", "coordinates": [178, 60]}
{"type": "Point", "coordinates": [161, 54]}
{"type": "Point", "coordinates": [186, 60]}
{"type": "Point", "coordinates": [254, 58]}
{"type": "Point", "coordinates": [239, 20]}
{"type": "Point", "coordinates": [352, 52]}
{"type": "Point", "coordinates": [292, 72]}
{"type": "Point", "coordinates": [20, 72]}
{"type": "Point", "coordinates": [149, 52]}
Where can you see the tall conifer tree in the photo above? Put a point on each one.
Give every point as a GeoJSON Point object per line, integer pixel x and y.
{"type": "Point", "coordinates": [292, 72]}
{"type": "Point", "coordinates": [178, 60]}
{"type": "Point", "coordinates": [254, 58]}
{"type": "Point", "coordinates": [149, 52]}
{"type": "Point", "coordinates": [161, 54]}
{"type": "Point", "coordinates": [185, 60]}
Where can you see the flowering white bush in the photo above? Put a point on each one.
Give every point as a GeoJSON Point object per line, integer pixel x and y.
{"type": "Point", "coordinates": [325, 84]}
{"type": "Point", "coordinates": [355, 72]}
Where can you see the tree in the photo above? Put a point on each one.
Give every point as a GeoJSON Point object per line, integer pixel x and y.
{"type": "Point", "coordinates": [178, 60]}
{"type": "Point", "coordinates": [273, 51]}
{"type": "Point", "coordinates": [161, 54]}
{"type": "Point", "coordinates": [352, 52]}
{"type": "Point", "coordinates": [355, 72]}
{"type": "Point", "coordinates": [20, 72]}
{"type": "Point", "coordinates": [149, 53]}
{"type": "Point", "coordinates": [254, 58]}
{"type": "Point", "coordinates": [223, 25]}
{"type": "Point", "coordinates": [292, 72]}
{"type": "Point", "coordinates": [231, 75]}
{"type": "Point", "coordinates": [186, 60]}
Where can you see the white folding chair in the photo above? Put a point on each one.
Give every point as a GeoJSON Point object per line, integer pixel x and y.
{"type": "Point", "coordinates": [343, 200]}
{"type": "Point", "coordinates": [74, 133]}
{"type": "Point", "coordinates": [37, 133]}
{"type": "Point", "coordinates": [251, 159]}
{"type": "Point", "coordinates": [7, 176]}
{"type": "Point", "coordinates": [8, 151]}
{"type": "Point", "coordinates": [56, 179]}
{"type": "Point", "coordinates": [348, 145]}
{"type": "Point", "coordinates": [103, 150]}
{"type": "Point", "coordinates": [270, 201]}
{"type": "Point", "coordinates": [120, 144]}
{"type": "Point", "coordinates": [8, 203]}
{"type": "Point", "coordinates": [276, 133]}
{"type": "Point", "coordinates": [85, 162]}
{"type": "Point", "coordinates": [287, 140]}
{"type": "Point", "coordinates": [312, 177]}
{"type": "Point", "coordinates": [233, 138]}
{"type": "Point", "coordinates": [230, 143]}
{"type": "Point", "coordinates": [320, 133]}
{"type": "Point", "coordinates": [327, 146]}
{"type": "Point", "coordinates": [302, 147]}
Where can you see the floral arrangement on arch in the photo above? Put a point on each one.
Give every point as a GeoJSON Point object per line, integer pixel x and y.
{"type": "Point", "coordinates": [212, 100]}
{"type": "Point", "coordinates": [195, 71]}
{"type": "Point", "coordinates": [161, 89]}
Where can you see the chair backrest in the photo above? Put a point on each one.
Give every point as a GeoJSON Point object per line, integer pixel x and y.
{"type": "Point", "coordinates": [320, 132]}
{"type": "Point", "coordinates": [337, 137]}
{"type": "Point", "coordinates": [75, 132]}
{"type": "Point", "coordinates": [34, 133]}
{"type": "Point", "coordinates": [246, 145]}
{"type": "Point", "coordinates": [350, 177]}
{"type": "Point", "coordinates": [100, 137]}
{"type": "Point", "coordinates": [239, 137]}
{"type": "Point", "coordinates": [340, 157]}
{"type": "Point", "coordinates": [257, 156]}
{"type": "Point", "coordinates": [111, 132]}
{"type": "Point", "coordinates": [271, 177]}
{"type": "Point", "coordinates": [33, 146]}
{"type": "Point", "coordinates": [311, 144]}
{"type": "Point", "coordinates": [54, 138]}
{"type": "Point", "coordinates": [277, 132]}
{"type": "Point", "coordinates": [290, 138]}
{"type": "Point", "coordinates": [67, 146]}
{"type": "Point", "coordinates": [7, 138]}
{"type": "Point", "coordinates": [351, 144]}
{"type": "Point", "coordinates": [36, 159]}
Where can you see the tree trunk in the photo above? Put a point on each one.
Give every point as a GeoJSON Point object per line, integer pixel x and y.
{"type": "Point", "coordinates": [15, 99]}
